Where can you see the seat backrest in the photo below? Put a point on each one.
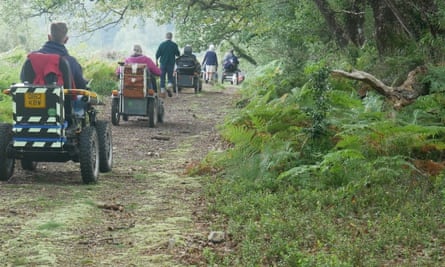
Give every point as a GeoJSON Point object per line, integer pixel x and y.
{"type": "Point", "coordinates": [47, 69]}
{"type": "Point", "coordinates": [46, 73]}
{"type": "Point", "coordinates": [186, 64]}
{"type": "Point", "coordinates": [135, 80]}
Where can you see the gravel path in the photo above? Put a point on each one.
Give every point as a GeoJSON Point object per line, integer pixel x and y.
{"type": "Point", "coordinates": [143, 213]}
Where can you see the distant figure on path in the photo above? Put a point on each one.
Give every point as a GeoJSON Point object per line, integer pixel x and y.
{"type": "Point", "coordinates": [166, 54]}
{"type": "Point", "coordinates": [140, 58]}
{"type": "Point", "coordinates": [210, 62]}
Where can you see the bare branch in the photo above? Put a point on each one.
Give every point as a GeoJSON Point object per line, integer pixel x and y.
{"type": "Point", "coordinates": [399, 18]}
{"type": "Point", "coordinates": [400, 96]}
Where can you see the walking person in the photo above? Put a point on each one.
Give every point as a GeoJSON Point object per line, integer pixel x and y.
{"type": "Point", "coordinates": [210, 62]}
{"type": "Point", "coordinates": [166, 54]}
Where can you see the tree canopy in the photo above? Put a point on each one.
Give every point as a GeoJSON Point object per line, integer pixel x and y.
{"type": "Point", "coordinates": [261, 30]}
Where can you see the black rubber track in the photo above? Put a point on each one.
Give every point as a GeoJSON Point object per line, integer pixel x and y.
{"type": "Point", "coordinates": [103, 129]}
{"type": "Point", "coordinates": [89, 155]}
{"type": "Point", "coordinates": [6, 164]}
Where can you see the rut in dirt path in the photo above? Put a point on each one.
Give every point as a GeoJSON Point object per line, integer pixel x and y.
{"type": "Point", "coordinates": [140, 214]}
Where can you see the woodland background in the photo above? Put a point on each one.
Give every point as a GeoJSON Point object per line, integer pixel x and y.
{"type": "Point", "coordinates": [335, 151]}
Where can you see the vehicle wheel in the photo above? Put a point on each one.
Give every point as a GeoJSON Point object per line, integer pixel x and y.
{"type": "Point", "coordinates": [105, 146]}
{"type": "Point", "coordinates": [222, 78]}
{"type": "Point", "coordinates": [196, 84]}
{"type": "Point", "coordinates": [28, 165]}
{"type": "Point", "coordinates": [151, 112]}
{"type": "Point", "coordinates": [115, 117]}
{"type": "Point", "coordinates": [6, 164]}
{"type": "Point", "coordinates": [236, 79]}
{"type": "Point", "coordinates": [176, 84]}
{"type": "Point", "coordinates": [89, 155]}
{"type": "Point", "coordinates": [125, 117]}
{"type": "Point", "coordinates": [160, 107]}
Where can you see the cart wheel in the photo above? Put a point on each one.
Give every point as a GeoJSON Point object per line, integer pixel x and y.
{"type": "Point", "coordinates": [6, 164]}
{"type": "Point", "coordinates": [160, 106]}
{"type": "Point", "coordinates": [89, 155]}
{"type": "Point", "coordinates": [196, 84]}
{"type": "Point", "coordinates": [115, 117]}
{"type": "Point", "coordinates": [105, 146]}
{"type": "Point", "coordinates": [177, 89]}
{"type": "Point", "coordinates": [151, 112]}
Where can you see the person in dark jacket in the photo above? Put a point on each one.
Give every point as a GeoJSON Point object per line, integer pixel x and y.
{"type": "Point", "coordinates": [230, 62]}
{"type": "Point", "coordinates": [57, 39]}
{"type": "Point", "coordinates": [166, 54]}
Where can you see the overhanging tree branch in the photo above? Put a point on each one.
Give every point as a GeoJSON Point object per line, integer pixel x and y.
{"type": "Point", "coordinates": [399, 18]}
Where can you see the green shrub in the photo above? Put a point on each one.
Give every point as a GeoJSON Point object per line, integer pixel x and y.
{"type": "Point", "coordinates": [102, 76]}
{"type": "Point", "coordinates": [5, 108]}
{"type": "Point", "coordinates": [317, 176]}
{"type": "Point", "coordinates": [10, 65]}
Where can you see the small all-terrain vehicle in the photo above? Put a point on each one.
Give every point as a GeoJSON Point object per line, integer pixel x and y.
{"type": "Point", "coordinates": [53, 122]}
{"type": "Point", "coordinates": [231, 75]}
{"type": "Point", "coordinates": [136, 95]}
{"type": "Point", "coordinates": [188, 72]}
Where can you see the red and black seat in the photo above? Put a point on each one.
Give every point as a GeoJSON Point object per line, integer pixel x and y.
{"type": "Point", "coordinates": [41, 69]}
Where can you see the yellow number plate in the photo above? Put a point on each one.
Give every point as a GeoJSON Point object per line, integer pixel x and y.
{"type": "Point", "coordinates": [35, 100]}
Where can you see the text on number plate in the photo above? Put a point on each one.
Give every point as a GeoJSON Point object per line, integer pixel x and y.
{"type": "Point", "coordinates": [35, 100]}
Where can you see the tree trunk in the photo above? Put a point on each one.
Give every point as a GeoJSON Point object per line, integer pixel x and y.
{"type": "Point", "coordinates": [355, 21]}
{"type": "Point", "coordinates": [383, 25]}
{"type": "Point", "coordinates": [430, 15]}
{"type": "Point", "coordinates": [339, 34]}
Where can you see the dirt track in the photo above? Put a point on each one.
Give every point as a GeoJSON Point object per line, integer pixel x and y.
{"type": "Point", "coordinates": [140, 214]}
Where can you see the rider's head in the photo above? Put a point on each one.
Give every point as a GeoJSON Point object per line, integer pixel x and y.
{"type": "Point", "coordinates": [169, 35]}
{"type": "Point", "coordinates": [188, 50]}
{"type": "Point", "coordinates": [137, 49]}
{"type": "Point", "coordinates": [58, 32]}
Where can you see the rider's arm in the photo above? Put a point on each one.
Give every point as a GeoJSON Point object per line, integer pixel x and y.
{"type": "Point", "coordinates": [152, 67]}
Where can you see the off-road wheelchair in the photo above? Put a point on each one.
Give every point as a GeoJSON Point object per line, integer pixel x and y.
{"type": "Point", "coordinates": [188, 72]}
{"type": "Point", "coordinates": [52, 122]}
{"type": "Point", "coordinates": [136, 95]}
{"type": "Point", "coordinates": [231, 72]}
{"type": "Point", "coordinates": [231, 75]}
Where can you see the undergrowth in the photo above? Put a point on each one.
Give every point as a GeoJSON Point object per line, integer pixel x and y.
{"type": "Point", "coordinates": [317, 176]}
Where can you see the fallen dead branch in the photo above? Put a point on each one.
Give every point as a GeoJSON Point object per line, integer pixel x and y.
{"type": "Point", "coordinates": [399, 96]}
